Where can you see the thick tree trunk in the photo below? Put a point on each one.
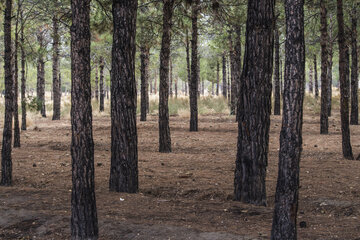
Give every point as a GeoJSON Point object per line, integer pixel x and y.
{"type": "Point", "coordinates": [96, 81]}
{"type": "Point", "coordinates": [164, 128]}
{"type": "Point", "coordinates": [311, 88]}
{"type": "Point", "coordinates": [255, 104]}
{"type": "Point", "coordinates": [324, 119]}
{"type": "Point", "coordinates": [277, 75]}
{"type": "Point", "coordinates": [217, 77]}
{"type": "Point", "coordinates": [124, 152]}
{"type": "Point", "coordinates": [187, 63]}
{"type": "Point", "coordinates": [287, 188]}
{"type": "Point", "coordinates": [316, 78]}
{"type": "Point", "coordinates": [102, 87]}
{"type": "Point", "coordinates": [145, 52]}
{"type": "Point", "coordinates": [23, 79]}
{"type": "Point", "coordinates": [56, 82]}
{"type": "Point", "coordinates": [193, 86]}
{"type": "Point", "coordinates": [224, 85]}
{"type": "Point", "coordinates": [233, 93]}
{"type": "Point", "coordinates": [16, 84]}
{"type": "Point", "coordinates": [354, 116]}
{"type": "Point", "coordinates": [6, 161]}
{"type": "Point", "coordinates": [84, 224]}
{"type": "Point", "coordinates": [344, 83]}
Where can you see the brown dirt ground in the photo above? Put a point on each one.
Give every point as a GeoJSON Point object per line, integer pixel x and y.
{"type": "Point", "coordinates": [186, 194]}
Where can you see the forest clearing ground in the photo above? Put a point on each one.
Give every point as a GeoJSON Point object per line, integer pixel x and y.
{"type": "Point", "coordinates": [186, 194]}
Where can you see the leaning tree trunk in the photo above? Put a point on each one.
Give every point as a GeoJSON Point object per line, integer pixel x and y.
{"type": "Point", "coordinates": [144, 56]}
{"type": "Point", "coordinates": [354, 116]}
{"type": "Point", "coordinates": [164, 128]}
{"type": "Point", "coordinates": [124, 152]}
{"type": "Point", "coordinates": [344, 83]}
{"type": "Point", "coordinates": [16, 85]}
{"type": "Point", "coordinates": [224, 85]}
{"type": "Point", "coordinates": [6, 162]}
{"type": "Point", "coordinates": [102, 87]}
{"type": "Point", "coordinates": [84, 224]}
{"type": "Point", "coordinates": [255, 104]}
{"type": "Point", "coordinates": [217, 77]}
{"type": "Point", "coordinates": [193, 86]}
{"type": "Point", "coordinates": [56, 82]}
{"type": "Point", "coordinates": [316, 78]}
{"type": "Point", "coordinates": [23, 79]}
{"type": "Point", "coordinates": [324, 118]}
{"type": "Point", "coordinates": [287, 188]}
{"type": "Point", "coordinates": [277, 75]}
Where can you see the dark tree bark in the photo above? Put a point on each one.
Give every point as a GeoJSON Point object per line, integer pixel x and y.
{"type": "Point", "coordinates": [277, 75]}
{"type": "Point", "coordinates": [193, 86]}
{"type": "Point", "coordinates": [237, 68]}
{"type": "Point", "coordinates": [330, 65]}
{"type": "Point", "coordinates": [176, 87]}
{"type": "Point", "coordinates": [171, 79]}
{"type": "Point", "coordinates": [124, 152]}
{"type": "Point", "coordinates": [281, 79]}
{"type": "Point", "coordinates": [96, 82]}
{"type": "Point", "coordinates": [145, 53]}
{"type": "Point", "coordinates": [212, 88]}
{"type": "Point", "coordinates": [56, 82]}
{"type": "Point", "coordinates": [217, 77]}
{"type": "Point", "coordinates": [187, 63]}
{"type": "Point", "coordinates": [164, 128]}
{"type": "Point", "coordinates": [203, 87]}
{"type": "Point", "coordinates": [344, 83]}
{"type": "Point", "coordinates": [316, 78]}
{"type": "Point", "coordinates": [224, 85]}
{"type": "Point", "coordinates": [6, 161]}
{"type": "Point", "coordinates": [16, 83]}
{"type": "Point", "coordinates": [84, 224]}
{"type": "Point", "coordinates": [354, 115]}
{"type": "Point", "coordinates": [255, 104]}
{"type": "Point", "coordinates": [40, 87]}
{"type": "Point", "coordinates": [102, 87]}
{"type": "Point", "coordinates": [324, 119]}
{"type": "Point", "coordinates": [311, 88]}
{"type": "Point", "coordinates": [287, 188]}
{"type": "Point", "coordinates": [23, 79]}
{"type": "Point", "coordinates": [233, 93]}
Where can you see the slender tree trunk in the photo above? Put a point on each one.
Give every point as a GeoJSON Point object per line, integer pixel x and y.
{"type": "Point", "coordinates": [56, 82]}
{"type": "Point", "coordinates": [255, 104]}
{"type": "Point", "coordinates": [102, 87]}
{"type": "Point", "coordinates": [287, 188]}
{"type": "Point", "coordinates": [217, 77]}
{"type": "Point", "coordinates": [6, 161]}
{"type": "Point", "coordinates": [212, 88]}
{"type": "Point", "coordinates": [40, 86]}
{"type": "Point", "coordinates": [155, 83]}
{"type": "Point", "coordinates": [84, 224]}
{"type": "Point", "coordinates": [316, 78]}
{"type": "Point", "coordinates": [354, 116]}
{"type": "Point", "coordinates": [23, 79]}
{"type": "Point", "coordinates": [224, 89]}
{"type": "Point", "coordinates": [311, 88]}
{"type": "Point", "coordinates": [124, 152]}
{"type": "Point", "coordinates": [16, 83]}
{"type": "Point", "coordinates": [197, 74]}
{"type": "Point", "coordinates": [96, 82]}
{"type": "Point", "coordinates": [277, 75]}
{"type": "Point", "coordinates": [281, 79]}
{"type": "Point", "coordinates": [233, 94]}
{"type": "Point", "coordinates": [344, 83]}
{"type": "Point", "coordinates": [237, 68]}
{"type": "Point", "coordinates": [164, 128]}
{"type": "Point", "coordinates": [330, 65]}
{"type": "Point", "coordinates": [203, 87]}
{"type": "Point", "coordinates": [145, 52]}
{"type": "Point", "coordinates": [176, 87]}
{"type": "Point", "coordinates": [194, 69]}
{"type": "Point", "coordinates": [324, 119]}
{"type": "Point", "coordinates": [187, 63]}
{"type": "Point", "coordinates": [171, 80]}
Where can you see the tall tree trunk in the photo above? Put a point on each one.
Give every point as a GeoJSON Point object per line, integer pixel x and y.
{"type": "Point", "coordinates": [96, 81]}
{"type": "Point", "coordinates": [277, 74]}
{"type": "Point", "coordinates": [164, 128]}
{"type": "Point", "coordinates": [176, 87]}
{"type": "Point", "coordinates": [212, 88]}
{"type": "Point", "coordinates": [124, 152]}
{"type": "Point", "coordinates": [203, 87]}
{"type": "Point", "coordinates": [233, 94]}
{"type": "Point", "coordinates": [6, 161]}
{"type": "Point", "coordinates": [155, 83]}
{"type": "Point", "coordinates": [171, 79]}
{"type": "Point", "coordinates": [40, 86]}
{"type": "Point", "coordinates": [287, 188]}
{"type": "Point", "coordinates": [217, 77]}
{"type": "Point", "coordinates": [316, 78]}
{"type": "Point", "coordinates": [354, 116]}
{"type": "Point", "coordinates": [324, 119]}
{"type": "Point", "coordinates": [145, 52]}
{"type": "Point", "coordinates": [237, 68]}
{"type": "Point", "coordinates": [16, 83]}
{"type": "Point", "coordinates": [56, 82]}
{"type": "Point", "coordinates": [224, 85]}
{"type": "Point", "coordinates": [330, 65]}
{"type": "Point", "coordinates": [344, 83]}
{"type": "Point", "coordinates": [23, 79]}
{"type": "Point", "coordinates": [187, 63]}
{"type": "Point", "coordinates": [255, 104]}
{"type": "Point", "coordinates": [102, 87]}
{"type": "Point", "coordinates": [311, 88]}
{"type": "Point", "coordinates": [281, 79]}
{"type": "Point", "coordinates": [84, 224]}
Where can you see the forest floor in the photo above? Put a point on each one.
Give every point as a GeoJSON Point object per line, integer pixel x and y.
{"type": "Point", "coordinates": [186, 194]}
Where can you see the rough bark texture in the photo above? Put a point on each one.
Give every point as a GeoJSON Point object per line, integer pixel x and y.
{"type": "Point", "coordinates": [187, 63]}
{"type": "Point", "coordinates": [102, 87]}
{"type": "Point", "coordinates": [255, 104]}
{"type": "Point", "coordinates": [96, 82]}
{"type": "Point", "coordinates": [233, 94]}
{"type": "Point", "coordinates": [193, 86]}
{"type": "Point", "coordinates": [16, 84]}
{"type": "Point", "coordinates": [287, 188]}
{"type": "Point", "coordinates": [164, 128]}
{"type": "Point", "coordinates": [6, 161]}
{"type": "Point", "coordinates": [145, 53]}
{"type": "Point", "coordinates": [277, 75]}
{"type": "Point", "coordinates": [344, 83]}
{"type": "Point", "coordinates": [354, 115]}
{"type": "Point", "coordinates": [237, 68]}
{"type": "Point", "coordinates": [316, 83]}
{"type": "Point", "coordinates": [311, 88]}
{"type": "Point", "coordinates": [224, 85]}
{"type": "Point", "coordinates": [330, 65]}
{"type": "Point", "coordinates": [124, 152]}
{"type": "Point", "coordinates": [171, 79]}
{"type": "Point", "coordinates": [84, 224]}
{"type": "Point", "coordinates": [40, 85]}
{"type": "Point", "coordinates": [217, 78]}
{"type": "Point", "coordinates": [324, 119]}
{"type": "Point", "coordinates": [23, 79]}
{"type": "Point", "coordinates": [56, 82]}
